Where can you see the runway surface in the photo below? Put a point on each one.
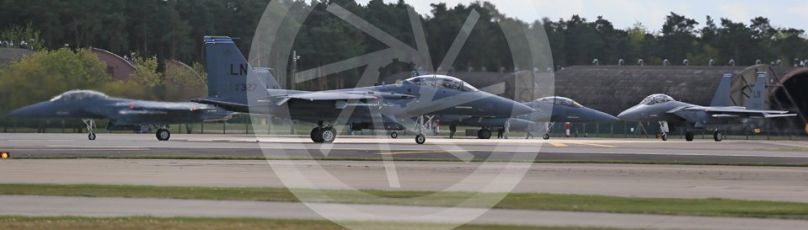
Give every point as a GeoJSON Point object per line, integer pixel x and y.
{"type": "Point", "coordinates": [124, 207]}
{"type": "Point", "coordinates": [675, 181]}
{"type": "Point", "coordinates": [241, 146]}
{"type": "Point", "coordinates": [364, 163]}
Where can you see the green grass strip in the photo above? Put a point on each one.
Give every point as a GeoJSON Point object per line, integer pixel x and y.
{"type": "Point", "coordinates": [182, 223]}
{"type": "Point", "coordinates": [525, 201]}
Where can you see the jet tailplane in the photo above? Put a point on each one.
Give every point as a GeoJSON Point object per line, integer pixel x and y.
{"type": "Point", "coordinates": [757, 100]}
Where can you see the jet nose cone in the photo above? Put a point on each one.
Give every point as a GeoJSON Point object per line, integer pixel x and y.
{"type": "Point", "coordinates": [31, 111]}
{"type": "Point", "coordinates": [520, 109]}
{"type": "Point", "coordinates": [23, 112]}
{"type": "Point", "coordinates": [605, 117]}
{"type": "Point", "coordinates": [627, 115]}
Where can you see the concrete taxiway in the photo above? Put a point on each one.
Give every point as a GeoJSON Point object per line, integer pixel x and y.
{"type": "Point", "coordinates": [456, 165]}
{"type": "Point", "coordinates": [126, 207]}
{"type": "Point", "coordinates": [675, 181]}
{"type": "Point", "coordinates": [241, 146]}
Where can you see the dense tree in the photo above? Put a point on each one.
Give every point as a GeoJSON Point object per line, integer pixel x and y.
{"type": "Point", "coordinates": [171, 29]}
{"type": "Point", "coordinates": [45, 74]}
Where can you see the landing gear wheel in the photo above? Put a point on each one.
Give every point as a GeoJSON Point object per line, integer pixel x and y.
{"type": "Point", "coordinates": [664, 136]}
{"type": "Point", "coordinates": [328, 135]}
{"type": "Point", "coordinates": [546, 136]}
{"type": "Point", "coordinates": [91, 136]}
{"type": "Point", "coordinates": [718, 136]}
{"type": "Point", "coordinates": [689, 136]}
{"type": "Point", "coordinates": [163, 135]}
{"type": "Point", "coordinates": [484, 134]}
{"type": "Point", "coordinates": [317, 135]}
{"type": "Point", "coordinates": [420, 139]}
{"type": "Point", "coordinates": [394, 135]}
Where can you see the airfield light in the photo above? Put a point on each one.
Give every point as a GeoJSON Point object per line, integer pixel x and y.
{"type": "Point", "coordinates": [5, 155]}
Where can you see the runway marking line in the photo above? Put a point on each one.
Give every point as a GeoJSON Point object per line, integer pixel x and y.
{"type": "Point", "coordinates": [558, 145]}
{"type": "Point", "coordinates": [423, 152]}
{"type": "Point", "coordinates": [598, 145]}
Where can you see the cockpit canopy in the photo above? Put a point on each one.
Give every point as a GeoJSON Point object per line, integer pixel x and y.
{"type": "Point", "coordinates": [443, 82]}
{"type": "Point", "coordinates": [656, 99]}
{"type": "Point", "coordinates": [560, 101]}
{"type": "Point", "coordinates": [78, 95]}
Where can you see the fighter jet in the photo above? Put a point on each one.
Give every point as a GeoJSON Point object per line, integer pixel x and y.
{"type": "Point", "coordinates": [548, 111]}
{"type": "Point", "coordinates": [664, 109]}
{"type": "Point", "coordinates": [122, 113]}
{"type": "Point", "coordinates": [237, 86]}
{"type": "Point", "coordinates": [551, 110]}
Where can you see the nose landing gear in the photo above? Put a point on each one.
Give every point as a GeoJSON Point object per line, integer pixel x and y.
{"type": "Point", "coordinates": [90, 128]}
{"type": "Point", "coordinates": [663, 130]}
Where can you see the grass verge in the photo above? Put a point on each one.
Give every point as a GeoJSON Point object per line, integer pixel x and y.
{"type": "Point", "coordinates": [81, 223]}
{"type": "Point", "coordinates": [525, 201]}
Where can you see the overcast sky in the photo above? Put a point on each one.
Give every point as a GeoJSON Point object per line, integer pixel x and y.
{"type": "Point", "coordinates": [625, 13]}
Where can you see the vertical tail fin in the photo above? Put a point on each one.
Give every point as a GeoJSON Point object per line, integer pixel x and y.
{"type": "Point", "coordinates": [757, 100]}
{"type": "Point", "coordinates": [722, 97]}
{"type": "Point", "coordinates": [230, 76]}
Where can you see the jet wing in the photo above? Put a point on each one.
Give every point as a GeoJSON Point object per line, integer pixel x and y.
{"type": "Point", "coordinates": [330, 96]}
{"type": "Point", "coordinates": [740, 112]}
{"type": "Point", "coordinates": [340, 95]}
{"type": "Point", "coordinates": [164, 107]}
{"type": "Point", "coordinates": [235, 107]}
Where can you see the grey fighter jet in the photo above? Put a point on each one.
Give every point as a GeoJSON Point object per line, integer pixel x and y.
{"type": "Point", "coordinates": [664, 109]}
{"type": "Point", "coordinates": [122, 113]}
{"type": "Point", "coordinates": [551, 110]}
{"type": "Point", "coordinates": [548, 111]}
{"type": "Point", "coordinates": [237, 86]}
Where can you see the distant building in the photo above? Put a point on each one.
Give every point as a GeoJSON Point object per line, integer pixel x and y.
{"type": "Point", "coordinates": [117, 67]}
{"type": "Point", "coordinates": [8, 55]}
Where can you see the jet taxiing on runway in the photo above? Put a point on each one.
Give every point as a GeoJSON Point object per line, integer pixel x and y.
{"type": "Point", "coordinates": [122, 113]}
{"type": "Point", "coordinates": [548, 111]}
{"type": "Point", "coordinates": [235, 85]}
{"type": "Point", "coordinates": [663, 109]}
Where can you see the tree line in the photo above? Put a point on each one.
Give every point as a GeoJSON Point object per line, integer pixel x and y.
{"type": "Point", "coordinates": [172, 29]}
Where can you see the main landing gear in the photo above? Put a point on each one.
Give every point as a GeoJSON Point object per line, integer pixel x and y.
{"type": "Point", "coordinates": [718, 136]}
{"type": "Point", "coordinates": [484, 134]}
{"type": "Point", "coordinates": [689, 136]}
{"type": "Point", "coordinates": [90, 128]}
{"type": "Point", "coordinates": [420, 139]}
{"type": "Point", "coordinates": [163, 134]}
{"type": "Point", "coordinates": [323, 134]}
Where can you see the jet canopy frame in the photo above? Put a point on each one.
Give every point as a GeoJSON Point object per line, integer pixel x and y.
{"type": "Point", "coordinates": [657, 99]}
{"type": "Point", "coordinates": [79, 95]}
{"type": "Point", "coordinates": [443, 81]}
{"type": "Point", "coordinates": [563, 101]}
